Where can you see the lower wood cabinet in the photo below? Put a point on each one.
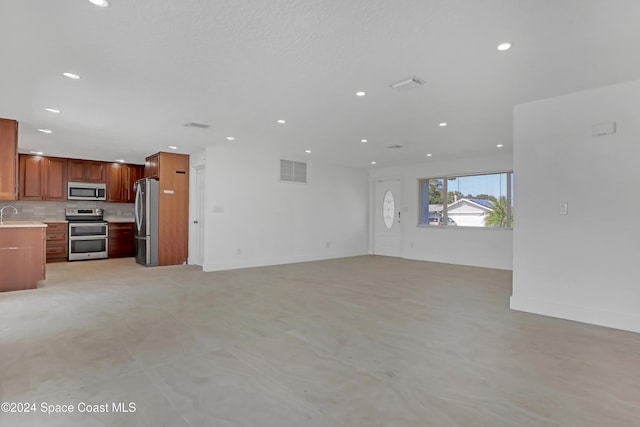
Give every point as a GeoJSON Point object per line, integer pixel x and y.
{"type": "Point", "coordinates": [121, 240]}
{"type": "Point", "coordinates": [21, 257]}
{"type": "Point", "coordinates": [57, 237]}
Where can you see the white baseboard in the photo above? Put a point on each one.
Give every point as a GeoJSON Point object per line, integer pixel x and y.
{"type": "Point", "coordinates": [594, 316]}
{"type": "Point", "coordinates": [263, 262]}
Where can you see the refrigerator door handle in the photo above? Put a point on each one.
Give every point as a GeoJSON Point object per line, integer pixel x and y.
{"type": "Point", "coordinates": [137, 207]}
{"type": "Point", "coordinates": [147, 242]}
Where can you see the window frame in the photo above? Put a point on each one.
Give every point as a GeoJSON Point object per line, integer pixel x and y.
{"type": "Point", "coordinates": [445, 191]}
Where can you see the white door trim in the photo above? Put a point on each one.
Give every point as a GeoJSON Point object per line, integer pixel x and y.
{"type": "Point", "coordinates": [197, 195]}
{"type": "Point", "coordinates": [387, 242]}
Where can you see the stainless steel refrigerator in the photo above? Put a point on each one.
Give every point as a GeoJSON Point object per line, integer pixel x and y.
{"type": "Point", "coordinates": [147, 199]}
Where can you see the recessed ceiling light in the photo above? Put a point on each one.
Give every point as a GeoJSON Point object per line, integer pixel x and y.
{"type": "Point", "coordinates": [499, 145]}
{"type": "Point", "coordinates": [71, 76]}
{"type": "Point", "coordinates": [361, 93]}
{"type": "Point", "coordinates": [120, 160]}
{"type": "Point", "coordinates": [173, 147]}
{"type": "Point", "coordinates": [282, 121]}
{"type": "Point", "coordinates": [373, 163]}
{"type": "Point", "coordinates": [429, 155]}
{"type": "Point", "coordinates": [52, 110]}
{"type": "Point", "coordinates": [363, 140]}
{"type": "Point", "coordinates": [100, 3]}
{"type": "Point", "coordinates": [307, 151]}
{"type": "Point", "coordinates": [39, 153]}
{"type": "Point", "coordinates": [443, 124]}
{"type": "Point", "coordinates": [45, 130]}
{"type": "Point", "coordinates": [504, 46]}
{"type": "Point", "coordinates": [230, 138]}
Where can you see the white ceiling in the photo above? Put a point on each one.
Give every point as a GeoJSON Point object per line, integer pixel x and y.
{"type": "Point", "coordinates": [150, 66]}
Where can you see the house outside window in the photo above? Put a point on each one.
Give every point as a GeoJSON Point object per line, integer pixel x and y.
{"type": "Point", "coordinates": [482, 200]}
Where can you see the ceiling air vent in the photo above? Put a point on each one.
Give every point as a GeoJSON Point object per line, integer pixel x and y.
{"type": "Point", "coordinates": [395, 146]}
{"type": "Point", "coordinates": [406, 84]}
{"type": "Point", "coordinates": [196, 125]}
{"type": "Point", "coordinates": [293, 171]}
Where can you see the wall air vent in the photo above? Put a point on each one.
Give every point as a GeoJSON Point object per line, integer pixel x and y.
{"type": "Point", "coordinates": [406, 84]}
{"type": "Point", "coordinates": [293, 171]}
{"type": "Point", "coordinates": [196, 125]}
{"type": "Point", "coordinates": [395, 147]}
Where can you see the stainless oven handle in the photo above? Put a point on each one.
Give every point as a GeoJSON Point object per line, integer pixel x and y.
{"type": "Point", "coordinates": [88, 224]}
{"type": "Point", "coordinates": [95, 237]}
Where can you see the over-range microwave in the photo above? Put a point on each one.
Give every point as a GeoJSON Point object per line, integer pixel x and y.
{"type": "Point", "coordinates": [86, 191]}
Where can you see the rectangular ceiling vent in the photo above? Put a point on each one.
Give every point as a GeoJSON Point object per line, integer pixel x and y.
{"type": "Point", "coordinates": [196, 125]}
{"type": "Point", "coordinates": [395, 147]}
{"type": "Point", "coordinates": [406, 84]}
{"type": "Point", "coordinates": [293, 171]}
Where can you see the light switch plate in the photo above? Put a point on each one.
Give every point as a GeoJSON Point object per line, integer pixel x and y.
{"type": "Point", "coordinates": [564, 208]}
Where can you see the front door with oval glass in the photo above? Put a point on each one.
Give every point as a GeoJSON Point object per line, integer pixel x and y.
{"type": "Point", "coordinates": [387, 218]}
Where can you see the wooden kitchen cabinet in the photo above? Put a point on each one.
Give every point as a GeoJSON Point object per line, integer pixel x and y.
{"type": "Point", "coordinates": [22, 255]}
{"type": "Point", "coordinates": [57, 238]}
{"type": "Point", "coordinates": [31, 177]}
{"type": "Point", "coordinates": [120, 180]}
{"type": "Point", "coordinates": [115, 182]}
{"type": "Point", "coordinates": [43, 178]}
{"type": "Point", "coordinates": [8, 159]}
{"type": "Point", "coordinates": [136, 172]}
{"type": "Point", "coordinates": [86, 171]}
{"type": "Point", "coordinates": [152, 166]}
{"type": "Point", "coordinates": [121, 240]}
{"type": "Point", "coordinates": [173, 217]}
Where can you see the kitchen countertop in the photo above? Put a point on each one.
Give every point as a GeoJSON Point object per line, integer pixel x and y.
{"type": "Point", "coordinates": [119, 220]}
{"type": "Point", "coordinates": [22, 224]}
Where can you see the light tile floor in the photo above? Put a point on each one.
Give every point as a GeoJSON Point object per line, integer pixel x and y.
{"type": "Point", "coordinates": [365, 341]}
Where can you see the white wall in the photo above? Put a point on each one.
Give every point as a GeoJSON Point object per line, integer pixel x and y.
{"type": "Point", "coordinates": [477, 246]}
{"type": "Point", "coordinates": [253, 219]}
{"type": "Point", "coordinates": [581, 266]}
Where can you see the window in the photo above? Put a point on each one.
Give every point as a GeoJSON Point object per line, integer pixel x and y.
{"type": "Point", "coordinates": [388, 209]}
{"type": "Point", "coordinates": [484, 200]}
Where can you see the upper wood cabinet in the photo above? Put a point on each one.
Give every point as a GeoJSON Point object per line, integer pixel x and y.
{"type": "Point", "coordinates": [135, 173]}
{"type": "Point", "coordinates": [86, 171]}
{"type": "Point", "coordinates": [120, 180]}
{"type": "Point", "coordinates": [43, 178]}
{"type": "Point", "coordinates": [55, 179]}
{"type": "Point", "coordinates": [152, 166]}
{"type": "Point", "coordinates": [115, 186]}
{"type": "Point", "coordinates": [8, 159]}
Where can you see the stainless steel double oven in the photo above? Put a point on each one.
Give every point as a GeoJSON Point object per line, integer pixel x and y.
{"type": "Point", "coordinates": [88, 234]}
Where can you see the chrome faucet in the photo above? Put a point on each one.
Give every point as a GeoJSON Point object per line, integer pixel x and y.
{"type": "Point", "coordinates": [15, 212]}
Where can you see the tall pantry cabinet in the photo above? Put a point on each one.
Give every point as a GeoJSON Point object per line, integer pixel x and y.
{"type": "Point", "coordinates": [172, 170]}
{"type": "Point", "coordinates": [8, 159]}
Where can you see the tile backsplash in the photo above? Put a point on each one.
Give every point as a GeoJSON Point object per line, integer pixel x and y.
{"type": "Point", "coordinates": [39, 211]}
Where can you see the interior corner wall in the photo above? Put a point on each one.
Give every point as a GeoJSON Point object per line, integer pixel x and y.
{"type": "Point", "coordinates": [196, 160]}
{"type": "Point", "coordinates": [580, 266]}
{"type": "Point", "coordinates": [254, 219]}
{"type": "Point", "coordinates": [478, 247]}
